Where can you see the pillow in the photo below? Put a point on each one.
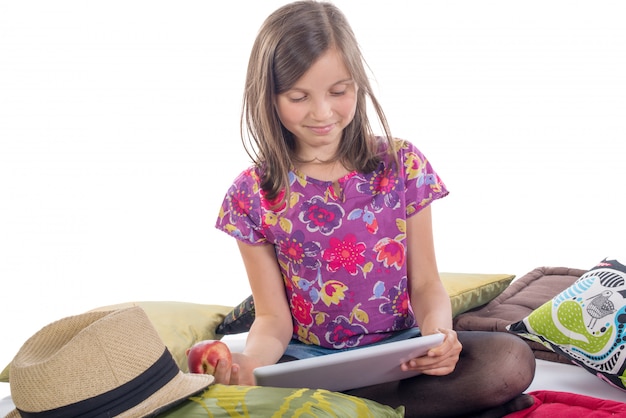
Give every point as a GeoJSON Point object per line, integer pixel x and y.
{"type": "Point", "coordinates": [566, 405]}
{"type": "Point", "coordinates": [224, 401]}
{"type": "Point", "coordinates": [466, 290]}
{"type": "Point", "coordinates": [238, 320]}
{"type": "Point", "coordinates": [471, 290]}
{"type": "Point", "coordinates": [523, 296]}
{"type": "Point", "coordinates": [586, 323]}
{"type": "Point", "coordinates": [179, 324]}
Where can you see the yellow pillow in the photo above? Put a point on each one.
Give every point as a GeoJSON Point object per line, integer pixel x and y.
{"type": "Point", "coordinates": [466, 290]}
{"type": "Point", "coordinates": [179, 324]}
{"type": "Point", "coordinates": [471, 290]}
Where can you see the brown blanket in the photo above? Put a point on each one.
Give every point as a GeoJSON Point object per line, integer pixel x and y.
{"type": "Point", "coordinates": [517, 301]}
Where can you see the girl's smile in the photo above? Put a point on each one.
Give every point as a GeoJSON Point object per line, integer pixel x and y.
{"type": "Point", "coordinates": [322, 130]}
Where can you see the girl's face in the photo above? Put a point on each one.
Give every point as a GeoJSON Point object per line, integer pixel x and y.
{"type": "Point", "coordinates": [319, 106]}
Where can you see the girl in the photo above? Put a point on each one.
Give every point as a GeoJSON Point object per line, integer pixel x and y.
{"type": "Point", "coordinates": [334, 227]}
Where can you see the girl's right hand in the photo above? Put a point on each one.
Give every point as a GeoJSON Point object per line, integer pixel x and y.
{"type": "Point", "coordinates": [240, 373]}
{"type": "Point", "coordinates": [440, 360]}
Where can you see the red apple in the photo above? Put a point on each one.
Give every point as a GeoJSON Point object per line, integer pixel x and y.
{"type": "Point", "coordinates": [203, 356]}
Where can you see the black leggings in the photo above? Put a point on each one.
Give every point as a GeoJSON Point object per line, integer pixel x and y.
{"type": "Point", "coordinates": [493, 371]}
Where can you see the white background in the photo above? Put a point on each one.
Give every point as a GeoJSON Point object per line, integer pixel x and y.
{"type": "Point", "coordinates": [119, 136]}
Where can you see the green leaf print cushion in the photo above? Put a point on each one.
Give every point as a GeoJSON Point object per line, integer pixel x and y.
{"type": "Point", "coordinates": [586, 323]}
{"type": "Point", "coordinates": [223, 401]}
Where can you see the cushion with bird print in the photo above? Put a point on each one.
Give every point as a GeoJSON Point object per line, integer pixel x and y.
{"type": "Point", "coordinates": [586, 323]}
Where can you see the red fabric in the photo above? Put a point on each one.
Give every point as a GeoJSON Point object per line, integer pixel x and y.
{"type": "Point", "coordinates": [550, 404]}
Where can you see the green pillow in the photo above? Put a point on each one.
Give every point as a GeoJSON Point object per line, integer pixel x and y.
{"type": "Point", "coordinates": [585, 323]}
{"type": "Point", "coordinates": [179, 324]}
{"type": "Point", "coordinates": [471, 290]}
{"type": "Point", "coordinates": [223, 401]}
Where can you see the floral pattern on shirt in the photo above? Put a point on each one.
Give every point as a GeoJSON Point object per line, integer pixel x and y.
{"type": "Point", "coordinates": [321, 216]}
{"type": "Point", "coordinates": [298, 252]}
{"type": "Point", "coordinates": [341, 247]}
{"type": "Point", "coordinates": [382, 185]}
{"type": "Point", "coordinates": [346, 253]}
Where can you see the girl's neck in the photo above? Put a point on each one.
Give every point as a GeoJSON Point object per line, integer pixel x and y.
{"type": "Point", "coordinates": [322, 170]}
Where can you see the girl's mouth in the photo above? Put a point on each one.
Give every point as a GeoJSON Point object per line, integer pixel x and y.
{"type": "Point", "coordinates": [321, 130]}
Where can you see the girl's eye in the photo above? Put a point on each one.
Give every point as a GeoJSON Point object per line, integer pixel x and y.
{"type": "Point", "coordinates": [338, 93]}
{"type": "Point", "coordinates": [297, 99]}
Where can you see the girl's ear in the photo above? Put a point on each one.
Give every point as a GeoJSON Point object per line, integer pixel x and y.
{"type": "Point", "coordinates": [275, 100]}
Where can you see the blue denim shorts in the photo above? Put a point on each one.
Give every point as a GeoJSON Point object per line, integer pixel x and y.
{"type": "Point", "coordinates": [301, 350]}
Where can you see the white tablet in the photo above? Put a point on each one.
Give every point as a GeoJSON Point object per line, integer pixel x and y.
{"type": "Point", "coordinates": [350, 369]}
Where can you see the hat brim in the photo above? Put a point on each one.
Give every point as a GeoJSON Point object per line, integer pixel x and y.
{"type": "Point", "coordinates": [13, 414]}
{"type": "Point", "coordinates": [176, 391]}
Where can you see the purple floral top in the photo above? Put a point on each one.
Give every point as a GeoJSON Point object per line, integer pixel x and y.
{"type": "Point", "coordinates": [342, 255]}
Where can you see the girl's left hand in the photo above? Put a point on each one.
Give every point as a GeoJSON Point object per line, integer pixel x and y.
{"type": "Point", "coordinates": [439, 361]}
{"type": "Point", "coordinates": [239, 373]}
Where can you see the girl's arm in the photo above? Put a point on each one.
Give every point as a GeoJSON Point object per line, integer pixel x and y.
{"type": "Point", "coordinates": [272, 328]}
{"type": "Point", "coordinates": [429, 299]}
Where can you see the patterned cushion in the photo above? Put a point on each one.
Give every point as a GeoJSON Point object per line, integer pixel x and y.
{"type": "Point", "coordinates": [586, 322]}
{"type": "Point", "coordinates": [223, 401]}
{"type": "Point", "coordinates": [238, 320]}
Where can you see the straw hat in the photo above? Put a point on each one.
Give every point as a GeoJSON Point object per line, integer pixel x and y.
{"type": "Point", "coordinates": [108, 363]}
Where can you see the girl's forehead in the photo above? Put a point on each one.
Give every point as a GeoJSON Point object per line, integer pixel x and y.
{"type": "Point", "coordinates": [328, 70]}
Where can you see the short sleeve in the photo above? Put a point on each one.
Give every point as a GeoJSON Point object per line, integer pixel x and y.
{"type": "Point", "coordinates": [422, 184]}
{"type": "Point", "coordinates": [240, 214]}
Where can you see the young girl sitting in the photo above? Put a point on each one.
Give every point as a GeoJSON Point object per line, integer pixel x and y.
{"type": "Point", "coordinates": [334, 227]}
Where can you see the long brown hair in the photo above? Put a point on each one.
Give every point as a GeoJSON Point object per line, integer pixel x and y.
{"type": "Point", "coordinates": [290, 40]}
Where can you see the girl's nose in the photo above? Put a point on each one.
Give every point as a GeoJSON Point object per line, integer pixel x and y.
{"type": "Point", "coordinates": [321, 110]}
